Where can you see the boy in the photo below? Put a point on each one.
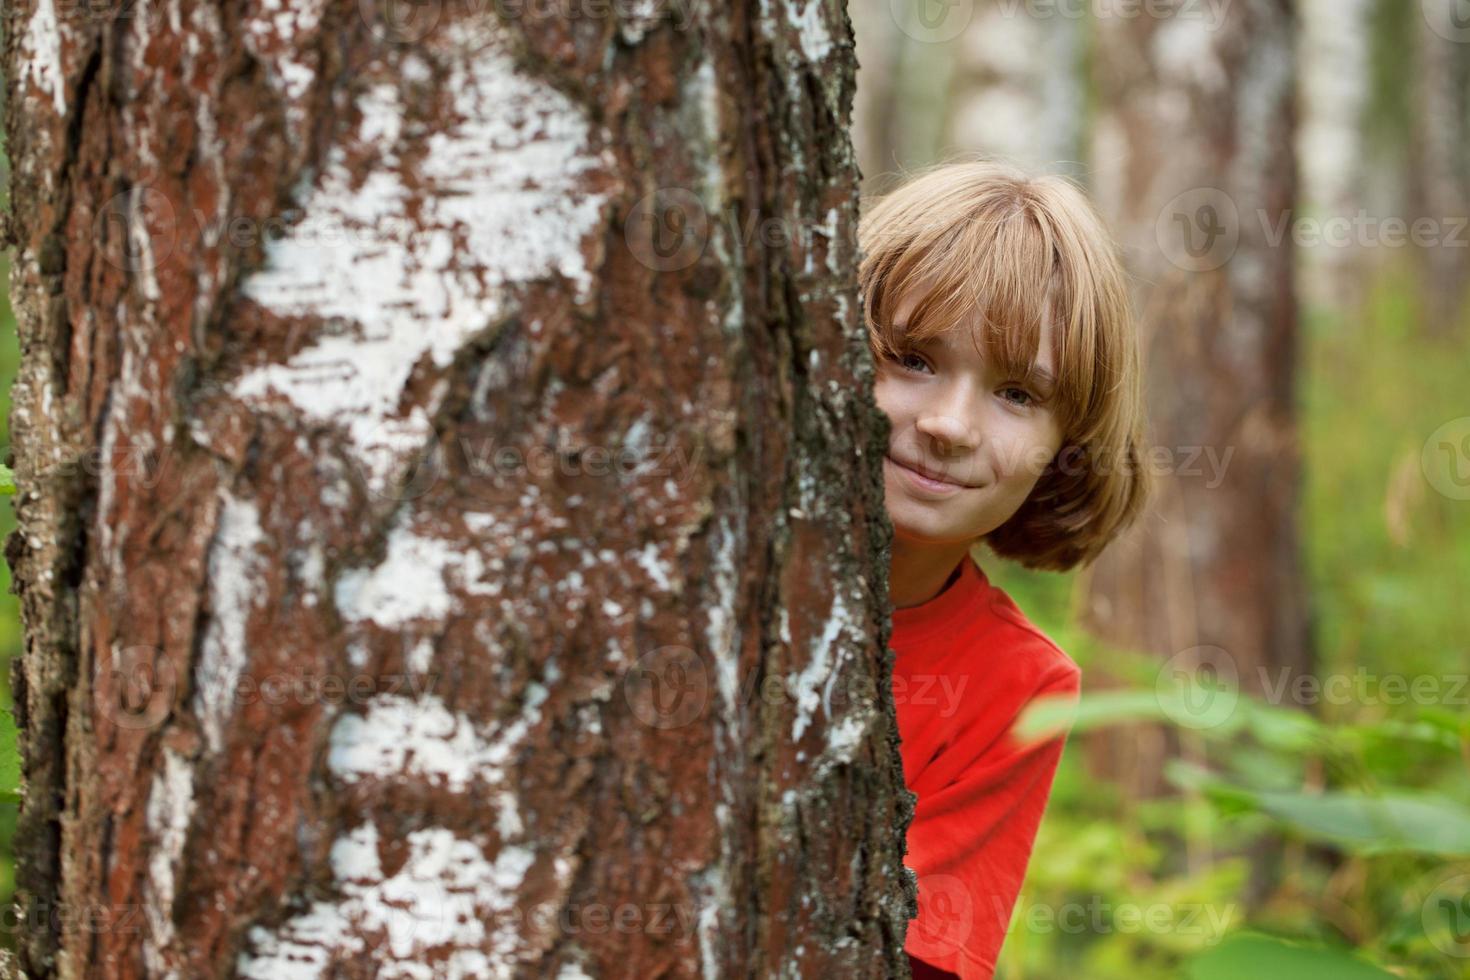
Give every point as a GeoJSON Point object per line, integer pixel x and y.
{"type": "Point", "coordinates": [1009, 367]}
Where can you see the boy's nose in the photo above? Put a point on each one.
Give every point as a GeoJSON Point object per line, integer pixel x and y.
{"type": "Point", "coordinates": [950, 434]}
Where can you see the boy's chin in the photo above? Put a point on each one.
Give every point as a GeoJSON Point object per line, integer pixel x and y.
{"type": "Point", "coordinates": [931, 536]}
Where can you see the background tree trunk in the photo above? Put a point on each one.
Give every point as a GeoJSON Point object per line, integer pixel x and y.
{"type": "Point", "coordinates": [1194, 168]}
{"type": "Point", "coordinates": [1018, 88]}
{"type": "Point", "coordinates": [1439, 154]}
{"type": "Point", "coordinates": [1334, 147]}
{"type": "Point", "coordinates": [451, 526]}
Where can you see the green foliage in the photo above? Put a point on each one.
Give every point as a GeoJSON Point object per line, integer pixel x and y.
{"type": "Point", "coordinates": [1263, 956]}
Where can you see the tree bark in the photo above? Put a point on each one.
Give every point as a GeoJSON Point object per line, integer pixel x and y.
{"type": "Point", "coordinates": [1194, 167]}
{"type": "Point", "coordinates": [451, 537]}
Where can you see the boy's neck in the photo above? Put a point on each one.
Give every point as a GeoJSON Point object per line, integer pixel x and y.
{"type": "Point", "coordinates": [917, 574]}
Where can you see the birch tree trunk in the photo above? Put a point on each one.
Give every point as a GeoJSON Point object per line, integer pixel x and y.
{"type": "Point", "coordinates": [1018, 89]}
{"type": "Point", "coordinates": [451, 528]}
{"type": "Point", "coordinates": [1333, 146]}
{"type": "Point", "coordinates": [1194, 167]}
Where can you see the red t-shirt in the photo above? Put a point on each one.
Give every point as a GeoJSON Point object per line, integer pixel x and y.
{"type": "Point", "coordinates": [967, 662]}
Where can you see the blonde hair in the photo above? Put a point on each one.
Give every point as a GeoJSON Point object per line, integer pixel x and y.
{"type": "Point", "coordinates": [984, 240]}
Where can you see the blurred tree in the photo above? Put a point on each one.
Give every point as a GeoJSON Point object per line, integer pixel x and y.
{"type": "Point", "coordinates": [1018, 90]}
{"type": "Point", "coordinates": [432, 423]}
{"type": "Point", "coordinates": [1193, 163]}
{"type": "Point", "coordinates": [907, 66]}
{"type": "Point", "coordinates": [1439, 153]}
{"type": "Point", "coordinates": [1333, 145]}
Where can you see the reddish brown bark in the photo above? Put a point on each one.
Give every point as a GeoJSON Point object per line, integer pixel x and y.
{"type": "Point", "coordinates": [305, 293]}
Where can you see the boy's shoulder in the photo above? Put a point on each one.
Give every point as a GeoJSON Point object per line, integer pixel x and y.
{"type": "Point", "coordinates": [974, 628]}
{"type": "Point", "coordinates": [1040, 655]}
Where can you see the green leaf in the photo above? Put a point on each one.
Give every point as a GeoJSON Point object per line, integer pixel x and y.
{"type": "Point", "coordinates": [7, 480]}
{"type": "Point", "coordinates": [1376, 824]}
{"type": "Point", "coordinates": [1045, 717]}
{"type": "Point", "coordinates": [1249, 955]}
{"type": "Point", "coordinates": [9, 758]}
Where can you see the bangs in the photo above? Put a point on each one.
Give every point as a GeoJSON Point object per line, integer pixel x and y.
{"type": "Point", "coordinates": [992, 277]}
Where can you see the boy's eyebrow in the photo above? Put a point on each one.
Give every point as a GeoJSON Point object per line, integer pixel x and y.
{"type": "Point", "coordinates": [1043, 377]}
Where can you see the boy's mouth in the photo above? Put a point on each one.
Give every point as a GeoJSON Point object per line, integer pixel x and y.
{"type": "Point", "coordinates": [925, 480]}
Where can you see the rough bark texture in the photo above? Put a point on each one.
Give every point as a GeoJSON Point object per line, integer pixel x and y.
{"type": "Point", "coordinates": [1194, 168]}
{"type": "Point", "coordinates": [451, 533]}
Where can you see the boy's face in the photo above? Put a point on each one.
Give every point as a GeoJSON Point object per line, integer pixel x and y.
{"type": "Point", "coordinates": [956, 416]}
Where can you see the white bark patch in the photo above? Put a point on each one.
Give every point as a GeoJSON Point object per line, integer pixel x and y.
{"type": "Point", "coordinates": [1184, 49]}
{"type": "Point", "coordinates": [713, 894]}
{"type": "Point", "coordinates": [420, 266]}
{"type": "Point", "coordinates": [446, 896]}
{"type": "Point", "coordinates": [721, 634]}
{"type": "Point", "coordinates": [236, 573]}
{"type": "Point", "coordinates": [659, 569]}
{"type": "Point", "coordinates": [170, 806]}
{"type": "Point", "coordinates": [823, 668]}
{"type": "Point", "coordinates": [413, 580]}
{"type": "Point", "coordinates": [639, 17]}
{"type": "Point", "coordinates": [277, 32]}
{"type": "Point", "coordinates": [40, 55]}
{"type": "Point", "coordinates": [422, 739]}
{"type": "Point", "coordinates": [811, 29]}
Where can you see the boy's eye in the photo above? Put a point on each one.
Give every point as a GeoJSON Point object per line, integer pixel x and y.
{"type": "Point", "coordinates": [913, 361]}
{"type": "Point", "coordinates": [1027, 397]}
